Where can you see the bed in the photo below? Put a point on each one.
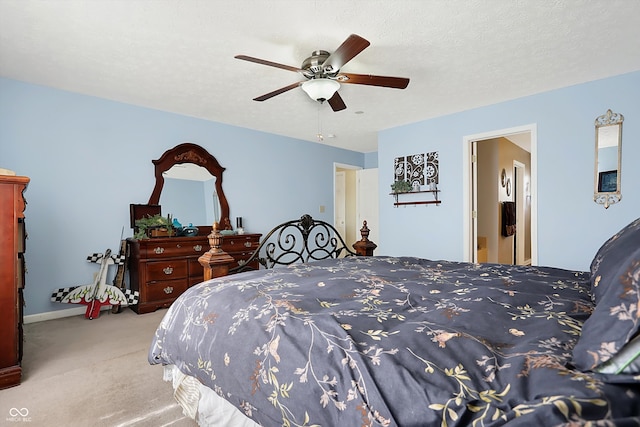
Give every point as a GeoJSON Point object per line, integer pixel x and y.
{"type": "Point", "coordinates": [404, 341]}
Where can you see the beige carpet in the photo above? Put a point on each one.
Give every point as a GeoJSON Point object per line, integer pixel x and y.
{"type": "Point", "coordinates": [80, 372]}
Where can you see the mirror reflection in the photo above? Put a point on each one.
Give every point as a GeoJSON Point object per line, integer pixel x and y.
{"type": "Point", "coordinates": [608, 158]}
{"type": "Point", "coordinates": [189, 194]}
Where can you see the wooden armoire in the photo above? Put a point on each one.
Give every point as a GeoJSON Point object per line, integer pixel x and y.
{"type": "Point", "coordinates": [12, 272]}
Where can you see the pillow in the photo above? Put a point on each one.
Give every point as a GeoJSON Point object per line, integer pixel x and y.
{"type": "Point", "coordinates": [614, 247]}
{"type": "Point", "coordinates": [615, 289]}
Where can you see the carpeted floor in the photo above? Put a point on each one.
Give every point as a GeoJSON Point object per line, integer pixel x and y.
{"type": "Point", "coordinates": [79, 372]}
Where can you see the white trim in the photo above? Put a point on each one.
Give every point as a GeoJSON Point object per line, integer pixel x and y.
{"type": "Point", "coordinates": [348, 221]}
{"type": "Point", "coordinates": [519, 192]}
{"type": "Point", "coordinates": [59, 314]}
{"type": "Point", "coordinates": [466, 184]}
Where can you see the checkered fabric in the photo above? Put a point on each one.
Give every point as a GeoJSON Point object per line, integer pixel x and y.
{"type": "Point", "coordinates": [94, 258]}
{"type": "Point", "coordinates": [59, 294]}
{"type": "Point", "coordinates": [97, 258]}
{"type": "Point", "coordinates": [132, 296]}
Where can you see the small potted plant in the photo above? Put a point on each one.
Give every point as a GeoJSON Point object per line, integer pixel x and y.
{"type": "Point", "coordinates": [153, 226]}
{"type": "Point", "coordinates": [401, 186]}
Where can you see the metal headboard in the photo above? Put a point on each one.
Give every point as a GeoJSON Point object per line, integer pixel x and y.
{"type": "Point", "coordinates": [302, 240]}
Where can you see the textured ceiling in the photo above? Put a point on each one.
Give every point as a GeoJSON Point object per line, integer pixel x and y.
{"type": "Point", "coordinates": [178, 56]}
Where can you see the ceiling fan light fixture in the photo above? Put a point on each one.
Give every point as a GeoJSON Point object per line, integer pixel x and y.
{"type": "Point", "coordinates": [320, 89]}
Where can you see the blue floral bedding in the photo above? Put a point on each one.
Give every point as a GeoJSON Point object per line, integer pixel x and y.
{"type": "Point", "coordinates": [385, 341]}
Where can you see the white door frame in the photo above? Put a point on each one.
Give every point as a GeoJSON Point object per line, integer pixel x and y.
{"type": "Point", "coordinates": [349, 221]}
{"type": "Point", "coordinates": [468, 193]}
{"type": "Point", "coordinates": [519, 198]}
{"type": "Point", "coordinates": [473, 219]}
{"type": "Point", "coordinates": [340, 202]}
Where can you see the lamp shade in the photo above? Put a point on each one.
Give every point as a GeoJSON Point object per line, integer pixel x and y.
{"type": "Point", "coordinates": [320, 89]}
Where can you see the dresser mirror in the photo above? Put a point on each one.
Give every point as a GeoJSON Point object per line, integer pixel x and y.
{"type": "Point", "coordinates": [189, 194]}
{"type": "Point", "coordinates": [608, 159]}
{"type": "Point", "coordinates": [189, 186]}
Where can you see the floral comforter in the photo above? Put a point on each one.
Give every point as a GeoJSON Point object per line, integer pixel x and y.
{"type": "Point", "coordinates": [384, 341]}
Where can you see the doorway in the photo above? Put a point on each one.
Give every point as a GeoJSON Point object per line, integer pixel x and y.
{"type": "Point", "coordinates": [344, 200]}
{"type": "Point", "coordinates": [495, 171]}
{"type": "Point", "coordinates": [355, 196]}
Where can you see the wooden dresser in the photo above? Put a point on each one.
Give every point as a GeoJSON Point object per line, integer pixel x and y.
{"type": "Point", "coordinates": [161, 269]}
{"type": "Point", "coordinates": [12, 272]}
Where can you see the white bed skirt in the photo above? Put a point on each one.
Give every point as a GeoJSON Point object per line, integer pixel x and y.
{"type": "Point", "coordinates": [202, 404]}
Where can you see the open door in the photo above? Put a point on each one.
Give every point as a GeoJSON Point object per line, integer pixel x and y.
{"type": "Point", "coordinates": [340, 203]}
{"type": "Point", "coordinates": [344, 200]}
{"type": "Point", "coordinates": [522, 244]}
{"type": "Point", "coordinates": [487, 187]}
{"type": "Point", "coordinates": [474, 203]}
{"type": "Point", "coordinates": [355, 200]}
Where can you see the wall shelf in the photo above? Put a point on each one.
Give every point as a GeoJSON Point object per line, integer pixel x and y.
{"type": "Point", "coordinates": [417, 202]}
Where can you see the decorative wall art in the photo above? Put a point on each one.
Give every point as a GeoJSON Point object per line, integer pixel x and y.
{"type": "Point", "coordinates": [420, 173]}
{"type": "Point", "coordinates": [418, 169]}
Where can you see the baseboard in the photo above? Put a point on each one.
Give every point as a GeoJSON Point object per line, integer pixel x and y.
{"type": "Point", "coordinates": [59, 314]}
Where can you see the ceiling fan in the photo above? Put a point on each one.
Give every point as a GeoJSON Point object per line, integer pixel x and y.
{"type": "Point", "coordinates": [322, 71]}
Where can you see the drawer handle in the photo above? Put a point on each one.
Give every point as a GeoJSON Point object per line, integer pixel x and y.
{"type": "Point", "coordinates": [168, 290]}
{"type": "Point", "coordinates": [178, 246]}
{"type": "Point", "coordinates": [168, 270]}
{"type": "Point", "coordinates": [247, 244]}
{"type": "Point", "coordinates": [197, 248]}
{"type": "Point", "coordinates": [159, 250]}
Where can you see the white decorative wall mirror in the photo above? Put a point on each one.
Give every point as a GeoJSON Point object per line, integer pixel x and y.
{"type": "Point", "coordinates": [608, 159]}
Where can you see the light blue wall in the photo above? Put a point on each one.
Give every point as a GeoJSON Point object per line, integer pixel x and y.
{"type": "Point", "coordinates": [371, 160]}
{"type": "Point", "coordinates": [89, 158]}
{"type": "Point", "coordinates": [571, 227]}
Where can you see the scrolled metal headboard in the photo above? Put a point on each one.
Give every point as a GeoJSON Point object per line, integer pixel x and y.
{"type": "Point", "coordinates": [302, 240]}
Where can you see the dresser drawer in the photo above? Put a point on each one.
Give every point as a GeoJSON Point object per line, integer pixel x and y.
{"type": "Point", "coordinates": [165, 289]}
{"type": "Point", "coordinates": [241, 256]}
{"type": "Point", "coordinates": [20, 270]}
{"type": "Point", "coordinates": [240, 243]}
{"type": "Point", "coordinates": [173, 248]}
{"type": "Point", "coordinates": [167, 270]}
{"type": "Point", "coordinates": [22, 236]}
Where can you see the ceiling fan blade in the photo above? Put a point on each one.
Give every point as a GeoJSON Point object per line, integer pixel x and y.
{"type": "Point", "coordinates": [269, 63]}
{"type": "Point", "coordinates": [371, 80]}
{"type": "Point", "coordinates": [277, 92]}
{"type": "Point", "coordinates": [336, 102]}
{"type": "Point", "coordinates": [353, 45]}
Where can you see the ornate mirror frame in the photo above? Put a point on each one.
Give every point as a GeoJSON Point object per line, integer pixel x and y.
{"type": "Point", "coordinates": [607, 179]}
{"type": "Point", "coordinates": [190, 153]}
